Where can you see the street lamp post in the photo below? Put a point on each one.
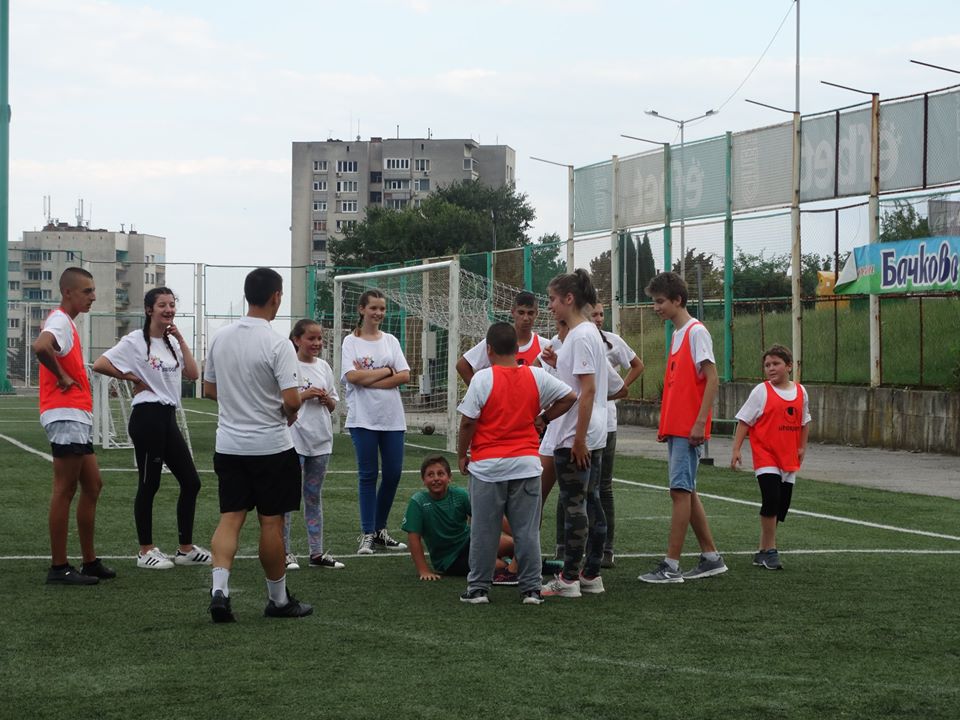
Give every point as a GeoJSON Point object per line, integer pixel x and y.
{"type": "Point", "coordinates": [569, 167]}
{"type": "Point", "coordinates": [683, 200]}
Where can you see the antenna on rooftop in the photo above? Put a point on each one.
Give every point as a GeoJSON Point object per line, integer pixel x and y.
{"type": "Point", "coordinates": [47, 209]}
{"type": "Point", "coordinates": [79, 214]}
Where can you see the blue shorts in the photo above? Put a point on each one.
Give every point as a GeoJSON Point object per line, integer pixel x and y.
{"type": "Point", "coordinates": [682, 462]}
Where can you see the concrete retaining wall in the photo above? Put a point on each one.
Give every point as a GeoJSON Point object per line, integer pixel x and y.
{"type": "Point", "coordinates": [896, 419]}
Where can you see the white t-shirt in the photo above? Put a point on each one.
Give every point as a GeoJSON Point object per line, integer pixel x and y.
{"type": "Point", "coordinates": [753, 408]}
{"type": "Point", "coordinates": [251, 365]}
{"type": "Point", "coordinates": [313, 431]}
{"type": "Point", "coordinates": [701, 344]}
{"type": "Point", "coordinates": [583, 353]}
{"type": "Point", "coordinates": [373, 408]}
{"type": "Point", "coordinates": [619, 356]}
{"type": "Point", "coordinates": [159, 372]}
{"type": "Point", "coordinates": [514, 468]}
{"type": "Point", "coordinates": [477, 355]}
{"type": "Point", "coordinates": [61, 326]}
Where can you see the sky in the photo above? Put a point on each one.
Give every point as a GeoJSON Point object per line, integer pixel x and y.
{"type": "Point", "coordinates": [176, 117]}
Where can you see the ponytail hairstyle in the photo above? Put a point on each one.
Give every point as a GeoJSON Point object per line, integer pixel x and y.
{"type": "Point", "coordinates": [148, 302]}
{"type": "Point", "coordinates": [362, 302]}
{"type": "Point", "coordinates": [579, 285]}
{"type": "Point", "coordinates": [300, 328]}
{"type": "Point", "coordinates": [603, 335]}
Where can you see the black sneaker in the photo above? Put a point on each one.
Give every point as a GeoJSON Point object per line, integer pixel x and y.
{"type": "Point", "coordinates": [475, 597]}
{"type": "Point", "coordinates": [531, 597]}
{"type": "Point", "coordinates": [69, 576]}
{"type": "Point", "coordinates": [293, 609]}
{"type": "Point", "coordinates": [220, 608]}
{"type": "Point", "coordinates": [383, 538]}
{"type": "Point", "coordinates": [98, 570]}
{"type": "Point", "coordinates": [608, 560]}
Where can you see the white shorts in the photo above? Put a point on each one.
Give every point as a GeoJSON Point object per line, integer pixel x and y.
{"type": "Point", "coordinates": [69, 432]}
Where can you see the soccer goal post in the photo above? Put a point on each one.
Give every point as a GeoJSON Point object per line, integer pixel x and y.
{"type": "Point", "coordinates": [424, 313]}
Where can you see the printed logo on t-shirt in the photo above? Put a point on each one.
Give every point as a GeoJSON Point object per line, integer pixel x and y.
{"type": "Point", "coordinates": [157, 364]}
{"type": "Point", "coordinates": [366, 362]}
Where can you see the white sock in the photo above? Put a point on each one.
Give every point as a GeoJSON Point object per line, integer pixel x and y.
{"type": "Point", "coordinates": [674, 564]}
{"type": "Point", "coordinates": [712, 556]}
{"type": "Point", "coordinates": [221, 579]}
{"type": "Point", "coordinates": [277, 591]}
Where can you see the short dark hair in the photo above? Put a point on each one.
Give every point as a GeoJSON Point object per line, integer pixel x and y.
{"type": "Point", "coordinates": [68, 277]}
{"type": "Point", "coordinates": [261, 284]}
{"type": "Point", "coordinates": [433, 460]}
{"type": "Point", "coordinates": [780, 351]}
{"type": "Point", "coordinates": [525, 298]}
{"type": "Point", "coordinates": [670, 285]}
{"type": "Point", "coordinates": [502, 338]}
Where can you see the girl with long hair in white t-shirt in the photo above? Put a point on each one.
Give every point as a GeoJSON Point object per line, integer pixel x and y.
{"type": "Point", "coordinates": [374, 368]}
{"type": "Point", "coordinates": [313, 439]}
{"type": "Point", "coordinates": [155, 365]}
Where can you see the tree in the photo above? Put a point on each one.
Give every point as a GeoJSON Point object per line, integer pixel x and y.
{"type": "Point", "coordinates": [903, 223]}
{"type": "Point", "coordinates": [759, 276]}
{"type": "Point", "coordinates": [711, 275]}
{"type": "Point", "coordinates": [548, 259]}
{"type": "Point", "coordinates": [648, 268]}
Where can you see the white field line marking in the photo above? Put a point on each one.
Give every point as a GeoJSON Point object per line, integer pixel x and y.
{"type": "Point", "coordinates": [29, 449]}
{"type": "Point", "coordinates": [200, 412]}
{"type": "Point", "coordinates": [806, 513]}
{"type": "Point", "coordinates": [427, 447]}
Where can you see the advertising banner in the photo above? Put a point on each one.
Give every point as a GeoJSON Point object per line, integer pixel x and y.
{"type": "Point", "coordinates": [925, 265]}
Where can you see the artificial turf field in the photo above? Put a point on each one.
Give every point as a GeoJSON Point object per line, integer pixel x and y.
{"type": "Point", "coordinates": [862, 623]}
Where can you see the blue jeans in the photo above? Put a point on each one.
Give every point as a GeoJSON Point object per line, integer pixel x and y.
{"type": "Point", "coordinates": [375, 503]}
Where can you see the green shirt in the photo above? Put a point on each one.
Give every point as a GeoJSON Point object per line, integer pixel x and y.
{"type": "Point", "coordinates": [441, 523]}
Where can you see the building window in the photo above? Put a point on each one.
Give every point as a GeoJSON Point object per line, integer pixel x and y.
{"type": "Point", "coordinates": [70, 256]}
{"type": "Point", "coordinates": [13, 284]}
{"type": "Point", "coordinates": [48, 256]}
{"type": "Point", "coordinates": [319, 225]}
{"type": "Point", "coordinates": [13, 266]}
{"type": "Point", "coordinates": [13, 342]}
{"type": "Point", "coordinates": [33, 255]}
{"type": "Point", "coordinates": [319, 165]}
{"type": "Point", "coordinates": [421, 164]}
{"type": "Point", "coordinates": [319, 205]}
{"type": "Point", "coordinates": [13, 323]}
{"type": "Point", "coordinates": [345, 224]}
{"type": "Point", "coordinates": [397, 204]}
{"type": "Point", "coordinates": [376, 197]}
{"type": "Point", "coordinates": [319, 185]}
{"type": "Point", "coordinates": [321, 264]}
{"type": "Point", "coordinates": [346, 166]}
{"type": "Point", "coordinates": [347, 185]}
{"type": "Point", "coordinates": [46, 275]}
{"type": "Point", "coordinates": [397, 163]}
{"type": "Point", "coordinates": [320, 245]}
{"type": "Point", "coordinates": [421, 185]}
{"type": "Point", "coordinates": [417, 202]}
{"type": "Point", "coordinates": [397, 185]}
{"type": "Point", "coordinates": [33, 274]}
{"type": "Point", "coordinates": [46, 295]}
{"type": "Point", "coordinates": [348, 206]}
{"type": "Point", "coordinates": [376, 177]}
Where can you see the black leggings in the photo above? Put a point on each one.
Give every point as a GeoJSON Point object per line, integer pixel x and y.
{"type": "Point", "coordinates": [775, 495]}
{"type": "Point", "coordinates": [157, 440]}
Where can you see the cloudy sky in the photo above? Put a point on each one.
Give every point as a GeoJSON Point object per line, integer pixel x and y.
{"type": "Point", "coordinates": [177, 116]}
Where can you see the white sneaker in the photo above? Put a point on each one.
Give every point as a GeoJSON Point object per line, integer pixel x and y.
{"type": "Point", "coordinates": [591, 585]}
{"type": "Point", "coordinates": [560, 587]}
{"type": "Point", "coordinates": [291, 561]}
{"type": "Point", "coordinates": [153, 559]}
{"type": "Point", "coordinates": [197, 556]}
{"type": "Point", "coordinates": [366, 544]}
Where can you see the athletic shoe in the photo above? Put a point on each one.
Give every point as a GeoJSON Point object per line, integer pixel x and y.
{"type": "Point", "coordinates": [293, 609]}
{"type": "Point", "coordinates": [758, 558]}
{"type": "Point", "coordinates": [551, 567]}
{"type": "Point", "coordinates": [383, 538]}
{"type": "Point", "coordinates": [98, 570]}
{"type": "Point", "coordinates": [769, 559]}
{"type": "Point", "coordinates": [531, 597]}
{"type": "Point", "coordinates": [326, 561]}
{"type": "Point", "coordinates": [69, 576]}
{"type": "Point", "coordinates": [505, 577]}
{"type": "Point", "coordinates": [197, 556]}
{"type": "Point", "coordinates": [608, 560]}
{"type": "Point", "coordinates": [291, 562]}
{"type": "Point", "coordinates": [591, 585]}
{"type": "Point", "coordinates": [706, 568]}
{"type": "Point", "coordinates": [220, 611]}
{"type": "Point", "coordinates": [561, 587]}
{"type": "Point", "coordinates": [662, 573]}
{"type": "Point", "coordinates": [153, 559]}
{"type": "Point", "coordinates": [366, 544]}
{"type": "Point", "coordinates": [475, 597]}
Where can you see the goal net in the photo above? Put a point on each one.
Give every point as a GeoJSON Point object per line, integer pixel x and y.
{"type": "Point", "coordinates": [437, 311]}
{"type": "Point", "coordinates": [112, 403]}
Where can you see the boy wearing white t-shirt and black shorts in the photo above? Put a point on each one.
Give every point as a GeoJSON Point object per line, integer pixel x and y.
{"type": "Point", "coordinates": [251, 372]}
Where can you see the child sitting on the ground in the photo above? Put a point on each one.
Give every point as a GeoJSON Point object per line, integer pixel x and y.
{"type": "Point", "coordinates": [437, 516]}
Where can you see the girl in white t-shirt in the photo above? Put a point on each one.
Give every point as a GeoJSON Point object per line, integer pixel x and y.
{"type": "Point", "coordinates": [155, 365]}
{"type": "Point", "coordinates": [313, 438]}
{"type": "Point", "coordinates": [374, 368]}
{"type": "Point", "coordinates": [581, 437]}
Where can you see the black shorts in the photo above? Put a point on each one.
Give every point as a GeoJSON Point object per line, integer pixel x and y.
{"type": "Point", "coordinates": [775, 496]}
{"type": "Point", "coordinates": [269, 483]}
{"type": "Point", "coordinates": [461, 566]}
{"type": "Point", "coordinates": [71, 449]}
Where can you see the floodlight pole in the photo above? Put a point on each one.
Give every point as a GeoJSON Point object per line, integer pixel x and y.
{"type": "Point", "coordinates": [5, 386]}
{"type": "Point", "coordinates": [570, 261]}
{"type": "Point", "coordinates": [683, 200]}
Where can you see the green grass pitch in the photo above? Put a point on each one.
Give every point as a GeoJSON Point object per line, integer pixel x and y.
{"type": "Point", "coordinates": [862, 623]}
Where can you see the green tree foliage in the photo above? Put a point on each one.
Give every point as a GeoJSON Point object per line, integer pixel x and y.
{"type": "Point", "coordinates": [760, 276]}
{"type": "Point", "coordinates": [460, 218]}
{"type": "Point", "coordinates": [648, 268]}
{"type": "Point", "coordinates": [903, 223]}
{"type": "Point", "coordinates": [711, 273]}
{"type": "Point", "coordinates": [547, 258]}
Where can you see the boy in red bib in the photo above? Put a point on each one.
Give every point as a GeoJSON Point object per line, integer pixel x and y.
{"type": "Point", "coordinates": [777, 418]}
{"type": "Point", "coordinates": [66, 413]}
{"type": "Point", "coordinates": [689, 388]}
